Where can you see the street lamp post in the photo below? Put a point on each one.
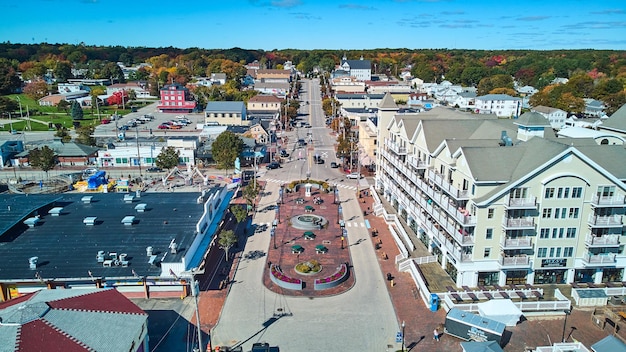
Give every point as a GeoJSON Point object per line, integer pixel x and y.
{"type": "Point", "coordinates": [339, 212]}
{"type": "Point", "coordinates": [278, 212]}
{"type": "Point", "coordinates": [344, 233]}
{"type": "Point", "coordinates": [567, 312]}
{"type": "Point", "coordinates": [195, 292]}
{"type": "Point", "coordinates": [403, 335]}
{"type": "Point", "coordinates": [336, 195]}
{"type": "Point", "coordinates": [273, 235]}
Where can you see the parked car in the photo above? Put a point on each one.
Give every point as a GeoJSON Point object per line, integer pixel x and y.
{"type": "Point", "coordinates": [273, 165]}
{"type": "Point", "coordinates": [334, 165]}
{"type": "Point", "coordinates": [354, 175]}
{"type": "Point", "coordinates": [164, 126]}
{"type": "Point", "coordinates": [175, 127]}
{"type": "Point", "coordinates": [154, 169]}
{"type": "Point", "coordinates": [284, 153]}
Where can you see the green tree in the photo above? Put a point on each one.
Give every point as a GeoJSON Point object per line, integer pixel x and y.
{"type": "Point", "coordinates": [62, 71]}
{"type": "Point", "coordinates": [111, 71]}
{"type": "Point", "coordinates": [76, 111]}
{"type": "Point", "coordinates": [84, 135]}
{"type": "Point", "coordinates": [239, 212]}
{"type": "Point", "coordinates": [225, 149]}
{"type": "Point", "coordinates": [250, 192]}
{"type": "Point", "coordinates": [62, 133]}
{"type": "Point", "coordinates": [167, 158]}
{"type": "Point", "coordinates": [8, 105]}
{"type": "Point", "coordinates": [43, 159]}
{"type": "Point", "coordinates": [9, 80]}
{"type": "Point", "coordinates": [63, 105]}
{"type": "Point", "coordinates": [226, 240]}
{"type": "Point", "coordinates": [488, 84]}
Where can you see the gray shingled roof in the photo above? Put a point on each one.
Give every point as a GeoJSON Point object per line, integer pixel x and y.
{"type": "Point", "coordinates": [358, 64]}
{"type": "Point", "coordinates": [497, 97]}
{"type": "Point", "coordinates": [617, 121]}
{"type": "Point", "coordinates": [224, 106]}
{"type": "Point", "coordinates": [387, 102]}
{"type": "Point", "coordinates": [532, 119]}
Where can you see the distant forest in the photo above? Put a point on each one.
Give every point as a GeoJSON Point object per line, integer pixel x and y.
{"type": "Point", "coordinates": [598, 74]}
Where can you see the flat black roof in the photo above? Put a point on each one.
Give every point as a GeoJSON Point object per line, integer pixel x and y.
{"type": "Point", "coordinates": [67, 248]}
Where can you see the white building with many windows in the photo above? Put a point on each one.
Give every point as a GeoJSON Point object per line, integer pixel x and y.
{"type": "Point", "coordinates": [502, 105]}
{"type": "Point", "coordinates": [500, 202]}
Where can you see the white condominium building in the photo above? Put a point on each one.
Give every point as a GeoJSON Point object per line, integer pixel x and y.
{"type": "Point", "coordinates": [500, 201]}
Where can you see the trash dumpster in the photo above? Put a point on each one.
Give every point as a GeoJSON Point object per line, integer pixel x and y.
{"type": "Point", "coordinates": [434, 302]}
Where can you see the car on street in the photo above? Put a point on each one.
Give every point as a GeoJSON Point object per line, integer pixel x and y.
{"type": "Point", "coordinates": [164, 126]}
{"type": "Point", "coordinates": [334, 165]}
{"type": "Point", "coordinates": [318, 159]}
{"type": "Point", "coordinates": [273, 165]}
{"type": "Point", "coordinates": [354, 175]}
{"type": "Point", "coordinates": [175, 127]}
{"type": "Point", "coordinates": [284, 153]}
{"type": "Point", "coordinates": [154, 169]}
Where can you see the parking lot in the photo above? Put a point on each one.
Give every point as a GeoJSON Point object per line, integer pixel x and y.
{"type": "Point", "coordinates": [158, 123]}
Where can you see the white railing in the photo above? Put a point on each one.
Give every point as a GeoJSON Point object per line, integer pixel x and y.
{"type": "Point", "coordinates": [605, 221]}
{"type": "Point", "coordinates": [417, 162]}
{"type": "Point", "coordinates": [525, 306]}
{"type": "Point", "coordinates": [440, 181]}
{"type": "Point", "coordinates": [600, 241]}
{"type": "Point", "coordinates": [563, 347]}
{"type": "Point", "coordinates": [529, 202]}
{"type": "Point", "coordinates": [396, 148]}
{"type": "Point", "coordinates": [616, 200]}
{"type": "Point", "coordinates": [521, 242]}
{"type": "Point", "coordinates": [425, 260]}
{"type": "Point", "coordinates": [607, 258]}
{"type": "Point", "coordinates": [519, 222]}
{"type": "Point", "coordinates": [513, 261]}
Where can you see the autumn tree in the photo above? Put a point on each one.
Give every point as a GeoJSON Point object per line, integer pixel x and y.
{"type": "Point", "coordinates": [570, 103]}
{"type": "Point", "coordinates": [63, 133]}
{"type": "Point", "coordinates": [490, 83]}
{"type": "Point", "coordinates": [36, 89]}
{"type": "Point", "coordinates": [85, 135]}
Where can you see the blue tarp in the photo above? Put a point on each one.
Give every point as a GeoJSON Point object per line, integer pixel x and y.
{"type": "Point", "coordinates": [95, 181]}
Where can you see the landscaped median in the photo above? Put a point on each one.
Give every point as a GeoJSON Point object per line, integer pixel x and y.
{"type": "Point", "coordinates": [283, 280]}
{"type": "Point", "coordinates": [333, 280]}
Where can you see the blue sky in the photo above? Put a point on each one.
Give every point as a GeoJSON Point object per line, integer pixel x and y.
{"type": "Point", "coordinates": [320, 24]}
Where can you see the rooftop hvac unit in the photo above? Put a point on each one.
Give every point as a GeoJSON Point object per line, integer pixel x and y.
{"type": "Point", "coordinates": [32, 262]}
{"type": "Point", "coordinates": [173, 247]}
{"type": "Point", "coordinates": [149, 251]}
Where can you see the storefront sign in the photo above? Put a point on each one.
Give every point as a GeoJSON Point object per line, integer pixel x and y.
{"type": "Point", "coordinates": [553, 263]}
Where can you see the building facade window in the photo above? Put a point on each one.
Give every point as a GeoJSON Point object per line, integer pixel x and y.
{"type": "Point", "coordinates": [542, 252]}
{"type": "Point", "coordinates": [487, 252]}
{"type": "Point", "coordinates": [490, 212]}
{"type": "Point", "coordinates": [571, 232]}
{"type": "Point", "coordinates": [577, 192]}
{"type": "Point", "coordinates": [547, 213]}
{"type": "Point", "coordinates": [568, 251]}
{"type": "Point", "coordinates": [489, 234]}
{"type": "Point", "coordinates": [549, 193]}
{"type": "Point", "coordinates": [544, 233]}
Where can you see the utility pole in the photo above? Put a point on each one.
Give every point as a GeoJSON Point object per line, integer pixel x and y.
{"type": "Point", "coordinates": [195, 293]}
{"type": "Point", "coordinates": [138, 155]}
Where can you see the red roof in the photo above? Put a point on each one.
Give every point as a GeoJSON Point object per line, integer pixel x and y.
{"type": "Point", "coordinates": [40, 336]}
{"type": "Point", "coordinates": [104, 301]}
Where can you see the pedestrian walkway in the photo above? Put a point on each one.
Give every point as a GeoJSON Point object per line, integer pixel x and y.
{"type": "Point", "coordinates": [339, 185]}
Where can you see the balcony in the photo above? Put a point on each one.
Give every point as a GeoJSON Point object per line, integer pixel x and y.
{"type": "Point", "coordinates": [601, 241]}
{"type": "Point", "coordinates": [439, 180]}
{"type": "Point", "coordinates": [396, 148]}
{"type": "Point", "coordinates": [605, 221]}
{"type": "Point", "coordinates": [590, 259]}
{"type": "Point", "coordinates": [525, 242]}
{"type": "Point", "coordinates": [417, 163]}
{"type": "Point", "coordinates": [618, 200]}
{"type": "Point", "coordinates": [527, 223]}
{"type": "Point", "coordinates": [516, 261]}
{"type": "Point", "coordinates": [520, 203]}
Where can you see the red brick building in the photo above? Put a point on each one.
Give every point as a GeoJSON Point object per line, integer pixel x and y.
{"type": "Point", "coordinates": [176, 98]}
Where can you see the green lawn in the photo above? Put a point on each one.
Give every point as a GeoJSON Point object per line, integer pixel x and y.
{"type": "Point", "coordinates": [51, 114]}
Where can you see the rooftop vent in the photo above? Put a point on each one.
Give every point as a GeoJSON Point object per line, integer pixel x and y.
{"type": "Point", "coordinates": [505, 141]}
{"type": "Point", "coordinates": [149, 251]}
{"type": "Point", "coordinates": [32, 262]}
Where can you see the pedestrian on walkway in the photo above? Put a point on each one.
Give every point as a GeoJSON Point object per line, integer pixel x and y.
{"type": "Point", "coordinates": [436, 334]}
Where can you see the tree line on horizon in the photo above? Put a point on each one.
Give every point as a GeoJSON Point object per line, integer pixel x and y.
{"type": "Point", "coordinates": [598, 74]}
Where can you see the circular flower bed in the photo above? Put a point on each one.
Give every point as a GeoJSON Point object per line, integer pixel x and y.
{"type": "Point", "coordinates": [308, 268]}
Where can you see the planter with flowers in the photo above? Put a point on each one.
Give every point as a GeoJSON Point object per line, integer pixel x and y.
{"type": "Point", "coordinates": [282, 280]}
{"type": "Point", "coordinates": [333, 280]}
